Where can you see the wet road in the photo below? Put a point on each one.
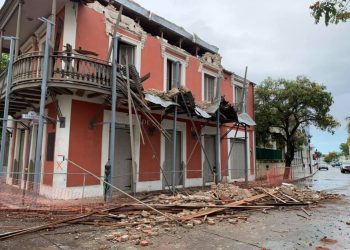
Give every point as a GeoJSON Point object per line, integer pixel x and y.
{"type": "Point", "coordinates": [329, 181]}
{"type": "Point", "coordinates": [287, 229]}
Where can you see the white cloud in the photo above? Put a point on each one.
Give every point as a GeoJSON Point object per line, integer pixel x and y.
{"type": "Point", "coordinates": [274, 38]}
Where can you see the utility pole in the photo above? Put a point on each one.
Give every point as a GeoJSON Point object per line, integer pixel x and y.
{"type": "Point", "coordinates": [218, 135]}
{"type": "Point", "coordinates": [115, 41]}
{"type": "Point", "coordinates": [8, 82]}
{"type": "Point", "coordinates": [177, 85]}
{"type": "Point", "coordinates": [245, 127]}
{"type": "Point", "coordinates": [45, 74]}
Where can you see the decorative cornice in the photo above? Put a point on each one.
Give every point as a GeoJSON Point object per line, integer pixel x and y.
{"type": "Point", "coordinates": [212, 61]}
{"type": "Point", "coordinates": [176, 50]}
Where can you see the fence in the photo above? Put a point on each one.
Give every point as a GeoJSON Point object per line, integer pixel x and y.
{"type": "Point", "coordinates": [81, 190]}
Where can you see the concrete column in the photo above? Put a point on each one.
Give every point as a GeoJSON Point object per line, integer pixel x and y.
{"type": "Point", "coordinates": [62, 142]}
{"type": "Point", "coordinates": [18, 28]}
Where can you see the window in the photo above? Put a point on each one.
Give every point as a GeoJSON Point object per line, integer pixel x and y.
{"type": "Point", "coordinates": [126, 51]}
{"type": "Point", "coordinates": [171, 74]}
{"type": "Point", "coordinates": [50, 150]}
{"type": "Point", "coordinates": [209, 88]}
{"type": "Point", "coordinates": [239, 98]}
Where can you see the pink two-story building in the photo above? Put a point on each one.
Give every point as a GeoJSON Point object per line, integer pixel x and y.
{"type": "Point", "coordinates": [79, 90]}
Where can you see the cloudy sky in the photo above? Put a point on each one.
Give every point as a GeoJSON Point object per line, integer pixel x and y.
{"type": "Point", "coordinates": [273, 38]}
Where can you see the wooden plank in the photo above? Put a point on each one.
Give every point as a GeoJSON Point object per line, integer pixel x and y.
{"type": "Point", "coordinates": [272, 195]}
{"type": "Point", "coordinates": [80, 92]}
{"type": "Point", "coordinates": [231, 205]}
{"type": "Point", "coordinates": [93, 95]}
{"type": "Point", "coordinates": [145, 77]}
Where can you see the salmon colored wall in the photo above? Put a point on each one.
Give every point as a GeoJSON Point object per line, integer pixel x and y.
{"type": "Point", "coordinates": [149, 153]}
{"type": "Point", "coordinates": [91, 32]}
{"type": "Point", "coordinates": [194, 165]}
{"type": "Point", "coordinates": [194, 78]}
{"type": "Point", "coordinates": [60, 16]}
{"type": "Point", "coordinates": [84, 143]}
{"type": "Point", "coordinates": [226, 88]}
{"type": "Point", "coordinates": [50, 128]}
{"type": "Point", "coordinates": [152, 62]}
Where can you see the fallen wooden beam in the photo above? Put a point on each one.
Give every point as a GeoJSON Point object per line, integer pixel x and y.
{"type": "Point", "coordinates": [231, 205]}
{"type": "Point", "coordinates": [135, 207]}
{"type": "Point", "coordinates": [50, 225]}
{"type": "Point", "coordinates": [289, 197]}
{"type": "Point", "coordinates": [145, 77]}
{"type": "Point", "coordinates": [272, 195]}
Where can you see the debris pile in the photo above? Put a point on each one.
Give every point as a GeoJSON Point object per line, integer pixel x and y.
{"type": "Point", "coordinates": [140, 222]}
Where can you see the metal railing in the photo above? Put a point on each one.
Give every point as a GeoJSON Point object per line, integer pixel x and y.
{"type": "Point", "coordinates": [68, 68]}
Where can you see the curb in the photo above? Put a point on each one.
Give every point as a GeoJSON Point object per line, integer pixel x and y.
{"type": "Point", "coordinates": [303, 178]}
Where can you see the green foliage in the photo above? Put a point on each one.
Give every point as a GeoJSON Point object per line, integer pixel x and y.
{"type": "Point", "coordinates": [331, 156]}
{"type": "Point", "coordinates": [3, 61]}
{"type": "Point", "coordinates": [284, 107]}
{"type": "Point", "coordinates": [344, 147]}
{"type": "Point", "coordinates": [318, 154]}
{"type": "Point", "coordinates": [333, 11]}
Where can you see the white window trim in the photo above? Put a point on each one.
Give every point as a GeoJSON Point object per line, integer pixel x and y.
{"type": "Point", "coordinates": [138, 48]}
{"type": "Point", "coordinates": [183, 69]}
{"type": "Point", "coordinates": [204, 71]}
{"type": "Point", "coordinates": [234, 91]}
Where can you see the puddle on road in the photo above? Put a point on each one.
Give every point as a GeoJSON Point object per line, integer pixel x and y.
{"type": "Point", "coordinates": [330, 181]}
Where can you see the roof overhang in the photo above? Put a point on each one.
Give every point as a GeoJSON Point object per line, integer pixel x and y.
{"type": "Point", "coordinates": [31, 11]}
{"type": "Point", "coordinates": [153, 22]}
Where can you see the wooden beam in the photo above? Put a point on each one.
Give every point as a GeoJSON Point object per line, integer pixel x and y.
{"type": "Point", "coordinates": [145, 77]}
{"type": "Point", "coordinates": [29, 97]}
{"type": "Point", "coordinates": [215, 210]}
{"type": "Point", "coordinates": [80, 92]}
{"type": "Point", "coordinates": [18, 27]}
{"type": "Point", "coordinates": [180, 43]}
{"type": "Point", "coordinates": [93, 95]}
{"type": "Point", "coordinates": [68, 92]}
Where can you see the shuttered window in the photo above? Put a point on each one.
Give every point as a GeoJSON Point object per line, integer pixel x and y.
{"type": "Point", "coordinates": [209, 88]}
{"type": "Point", "coordinates": [126, 51]}
{"type": "Point", "coordinates": [171, 74]}
{"type": "Point", "coordinates": [50, 150]}
{"type": "Point", "coordinates": [239, 98]}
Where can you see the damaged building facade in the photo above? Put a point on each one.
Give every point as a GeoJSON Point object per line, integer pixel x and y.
{"type": "Point", "coordinates": [177, 81]}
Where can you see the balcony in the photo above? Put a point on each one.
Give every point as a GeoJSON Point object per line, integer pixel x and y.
{"type": "Point", "coordinates": [67, 71]}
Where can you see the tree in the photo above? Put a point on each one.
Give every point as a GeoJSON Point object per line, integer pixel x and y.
{"type": "Point", "coordinates": [318, 154]}
{"type": "Point", "coordinates": [331, 156]}
{"type": "Point", "coordinates": [333, 11]}
{"type": "Point", "coordinates": [344, 147]}
{"type": "Point", "coordinates": [3, 61]}
{"type": "Point", "coordinates": [284, 107]}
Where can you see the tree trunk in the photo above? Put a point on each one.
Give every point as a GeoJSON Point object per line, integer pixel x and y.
{"type": "Point", "coordinates": [288, 158]}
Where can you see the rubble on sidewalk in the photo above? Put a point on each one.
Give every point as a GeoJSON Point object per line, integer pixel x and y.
{"type": "Point", "coordinates": [139, 222]}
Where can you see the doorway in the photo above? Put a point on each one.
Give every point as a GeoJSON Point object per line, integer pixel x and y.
{"type": "Point", "coordinates": [122, 178]}
{"type": "Point", "coordinates": [18, 163]}
{"type": "Point", "coordinates": [208, 167]}
{"type": "Point", "coordinates": [168, 161]}
{"type": "Point", "coordinates": [237, 159]}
